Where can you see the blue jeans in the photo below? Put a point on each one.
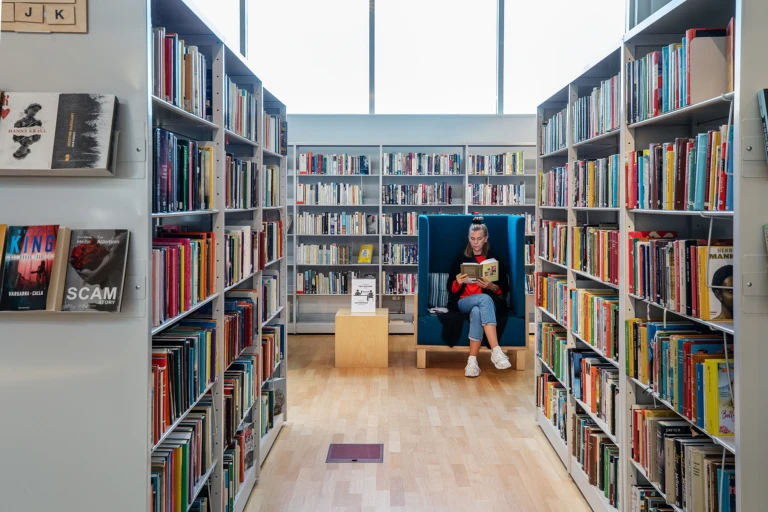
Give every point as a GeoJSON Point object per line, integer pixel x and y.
{"type": "Point", "coordinates": [481, 312]}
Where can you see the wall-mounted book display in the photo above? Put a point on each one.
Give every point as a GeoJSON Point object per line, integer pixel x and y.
{"type": "Point", "coordinates": [57, 16]}
{"type": "Point", "coordinates": [54, 268]}
{"type": "Point", "coordinates": [56, 134]}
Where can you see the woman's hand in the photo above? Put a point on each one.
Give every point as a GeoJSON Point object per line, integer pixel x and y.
{"type": "Point", "coordinates": [484, 283]}
{"type": "Point", "coordinates": [462, 278]}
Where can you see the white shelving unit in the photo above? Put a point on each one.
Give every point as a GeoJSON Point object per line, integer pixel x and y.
{"type": "Point", "coordinates": [313, 314]}
{"type": "Point", "coordinates": [744, 225]}
{"type": "Point", "coordinates": [94, 370]}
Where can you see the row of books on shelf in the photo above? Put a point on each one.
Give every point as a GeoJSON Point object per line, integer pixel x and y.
{"type": "Point", "coordinates": [482, 194]}
{"type": "Point", "coordinates": [417, 195]}
{"type": "Point", "coordinates": [184, 364]}
{"type": "Point", "coordinates": [237, 460]}
{"type": "Point", "coordinates": [698, 68]}
{"type": "Point", "coordinates": [272, 403]}
{"type": "Point", "coordinates": [595, 383]}
{"type": "Point", "coordinates": [598, 113]}
{"type": "Point", "coordinates": [686, 469]}
{"type": "Point", "coordinates": [241, 183]}
{"type": "Point", "coordinates": [597, 183]}
{"type": "Point", "coordinates": [552, 295]}
{"type": "Point", "coordinates": [530, 284]}
{"type": "Point", "coordinates": [184, 174]}
{"type": "Point", "coordinates": [326, 254]}
{"type": "Point", "coordinates": [405, 223]}
{"type": "Point", "coordinates": [400, 254]}
{"type": "Point", "coordinates": [595, 250]}
{"type": "Point", "coordinates": [553, 187]}
{"type": "Point", "coordinates": [55, 268]}
{"type": "Point", "coordinates": [247, 252]}
{"type": "Point", "coordinates": [240, 112]}
{"type": "Point", "coordinates": [690, 369]}
{"type": "Point", "coordinates": [241, 392]}
{"type": "Point", "coordinates": [311, 282]}
{"type": "Point", "coordinates": [530, 224]}
{"type": "Point", "coordinates": [180, 74]}
{"type": "Point", "coordinates": [682, 275]}
{"type": "Point", "coordinates": [553, 132]}
{"type": "Point", "coordinates": [553, 241]}
{"type": "Point", "coordinates": [395, 283]}
{"type": "Point", "coordinates": [272, 348]}
{"type": "Point", "coordinates": [530, 253]}
{"type": "Point", "coordinates": [271, 186]}
{"type": "Point", "coordinates": [594, 317]}
{"type": "Point", "coordinates": [333, 223]}
{"type": "Point", "coordinates": [334, 165]}
{"type": "Point", "coordinates": [552, 400]}
{"type": "Point", "coordinates": [421, 164]}
{"type": "Point", "coordinates": [503, 164]}
{"type": "Point", "coordinates": [692, 174]}
{"type": "Point", "coordinates": [329, 194]}
{"type": "Point", "coordinates": [598, 457]}
{"type": "Point", "coordinates": [179, 464]}
{"type": "Point", "coordinates": [270, 294]}
{"type": "Point", "coordinates": [275, 133]}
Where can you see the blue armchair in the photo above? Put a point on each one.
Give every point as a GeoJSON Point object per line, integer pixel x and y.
{"type": "Point", "coordinates": [441, 238]}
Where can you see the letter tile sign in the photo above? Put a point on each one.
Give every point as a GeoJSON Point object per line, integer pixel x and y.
{"type": "Point", "coordinates": [45, 16]}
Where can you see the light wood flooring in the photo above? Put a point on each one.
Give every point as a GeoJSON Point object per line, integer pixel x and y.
{"type": "Point", "coordinates": [450, 443]}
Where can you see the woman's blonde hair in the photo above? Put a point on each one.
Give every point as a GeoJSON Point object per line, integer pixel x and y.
{"type": "Point", "coordinates": [477, 225]}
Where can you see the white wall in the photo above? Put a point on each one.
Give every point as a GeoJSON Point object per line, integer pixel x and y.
{"type": "Point", "coordinates": [412, 129]}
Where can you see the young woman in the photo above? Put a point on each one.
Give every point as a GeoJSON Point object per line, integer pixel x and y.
{"type": "Point", "coordinates": [481, 300]}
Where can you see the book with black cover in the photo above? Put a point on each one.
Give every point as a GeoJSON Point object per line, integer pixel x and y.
{"type": "Point", "coordinates": [96, 270]}
{"type": "Point", "coordinates": [40, 131]}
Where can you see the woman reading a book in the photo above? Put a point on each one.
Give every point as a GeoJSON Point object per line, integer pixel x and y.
{"type": "Point", "coordinates": [480, 298]}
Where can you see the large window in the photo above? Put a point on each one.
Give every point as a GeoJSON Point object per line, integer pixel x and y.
{"type": "Point", "coordinates": [435, 57]}
{"type": "Point", "coordinates": [548, 42]}
{"type": "Point", "coordinates": [225, 16]}
{"type": "Point", "coordinates": [311, 54]}
{"type": "Point", "coordinates": [430, 56]}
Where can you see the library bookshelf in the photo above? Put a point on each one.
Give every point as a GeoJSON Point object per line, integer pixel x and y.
{"type": "Point", "coordinates": [314, 314]}
{"type": "Point", "coordinates": [649, 31]}
{"type": "Point", "coordinates": [95, 371]}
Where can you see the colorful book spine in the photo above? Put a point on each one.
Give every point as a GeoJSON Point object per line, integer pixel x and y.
{"type": "Point", "coordinates": [504, 164]}
{"type": "Point", "coordinates": [417, 195]}
{"type": "Point", "coordinates": [595, 251]}
{"type": "Point", "coordinates": [598, 457]}
{"type": "Point", "coordinates": [311, 282]}
{"type": "Point", "coordinates": [240, 115]}
{"type": "Point", "coordinates": [421, 164]}
{"type": "Point", "coordinates": [481, 194]}
{"type": "Point", "coordinates": [400, 254]}
{"type": "Point", "coordinates": [336, 194]}
{"type": "Point", "coordinates": [241, 183]}
{"type": "Point", "coordinates": [553, 241]}
{"type": "Point", "coordinates": [595, 319]}
{"type": "Point", "coordinates": [183, 174]}
{"type": "Point", "coordinates": [598, 113]}
{"type": "Point", "coordinates": [553, 132]}
{"type": "Point", "coordinates": [405, 223]}
{"type": "Point", "coordinates": [331, 254]}
{"type": "Point", "coordinates": [552, 295]}
{"type": "Point", "coordinates": [597, 183]}
{"type": "Point", "coordinates": [395, 283]}
{"type": "Point", "coordinates": [180, 74]}
{"type": "Point", "coordinates": [552, 400]}
{"type": "Point", "coordinates": [333, 165]}
{"type": "Point", "coordinates": [553, 187]}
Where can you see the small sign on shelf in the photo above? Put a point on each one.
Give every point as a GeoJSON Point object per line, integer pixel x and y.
{"type": "Point", "coordinates": [363, 296]}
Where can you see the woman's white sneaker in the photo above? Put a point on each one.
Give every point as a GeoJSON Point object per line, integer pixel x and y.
{"type": "Point", "coordinates": [500, 359]}
{"type": "Point", "coordinates": [472, 369]}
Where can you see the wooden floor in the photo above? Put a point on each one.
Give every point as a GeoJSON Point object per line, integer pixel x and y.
{"type": "Point", "coordinates": [450, 443]}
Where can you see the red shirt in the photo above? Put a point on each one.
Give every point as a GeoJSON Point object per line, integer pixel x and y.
{"type": "Point", "coordinates": [472, 288]}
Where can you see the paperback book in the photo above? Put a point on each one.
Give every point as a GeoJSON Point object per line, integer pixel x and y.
{"type": "Point", "coordinates": [488, 270]}
{"type": "Point", "coordinates": [52, 131]}
{"type": "Point", "coordinates": [96, 270]}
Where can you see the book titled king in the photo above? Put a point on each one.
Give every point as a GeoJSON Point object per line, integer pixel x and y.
{"type": "Point", "coordinates": [52, 131]}
{"type": "Point", "coordinates": [488, 269]}
{"type": "Point", "coordinates": [96, 270]}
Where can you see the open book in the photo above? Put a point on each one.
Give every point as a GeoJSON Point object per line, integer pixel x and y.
{"type": "Point", "coordinates": [489, 269]}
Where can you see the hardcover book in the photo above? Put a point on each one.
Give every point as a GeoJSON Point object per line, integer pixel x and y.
{"type": "Point", "coordinates": [96, 270]}
{"type": "Point", "coordinates": [488, 269]}
{"type": "Point", "coordinates": [366, 253]}
{"type": "Point", "coordinates": [40, 131]}
{"type": "Point", "coordinates": [33, 269]}
{"type": "Point", "coordinates": [716, 282]}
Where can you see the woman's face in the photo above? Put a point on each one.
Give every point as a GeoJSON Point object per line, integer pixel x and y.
{"type": "Point", "coordinates": [477, 239]}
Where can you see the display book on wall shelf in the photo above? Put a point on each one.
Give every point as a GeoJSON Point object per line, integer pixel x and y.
{"type": "Point", "coordinates": [640, 341]}
{"type": "Point", "coordinates": [346, 197]}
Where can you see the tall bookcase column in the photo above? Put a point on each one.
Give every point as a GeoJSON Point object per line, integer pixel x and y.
{"type": "Point", "coordinates": [750, 262]}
